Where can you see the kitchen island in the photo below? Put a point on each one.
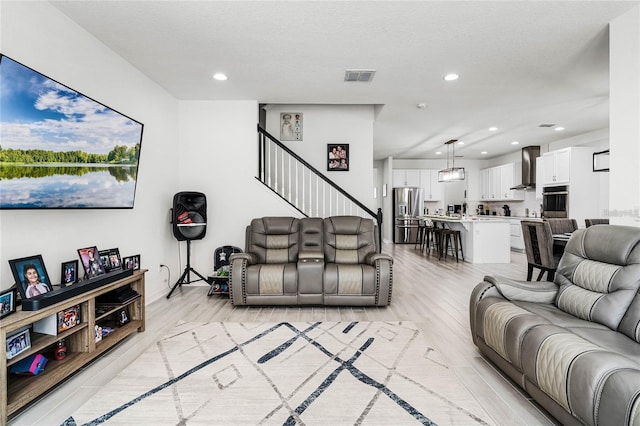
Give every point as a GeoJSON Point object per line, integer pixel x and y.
{"type": "Point", "coordinates": [483, 240]}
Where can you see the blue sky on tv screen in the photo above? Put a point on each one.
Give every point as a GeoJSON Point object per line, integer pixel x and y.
{"type": "Point", "coordinates": [39, 113]}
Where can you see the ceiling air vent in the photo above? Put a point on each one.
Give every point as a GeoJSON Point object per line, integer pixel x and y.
{"type": "Point", "coordinates": [546, 125]}
{"type": "Point", "coordinates": [359, 75]}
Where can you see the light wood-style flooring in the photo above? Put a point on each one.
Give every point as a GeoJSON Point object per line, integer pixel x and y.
{"type": "Point", "coordinates": [430, 293]}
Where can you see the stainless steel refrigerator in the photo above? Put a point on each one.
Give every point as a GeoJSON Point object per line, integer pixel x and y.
{"type": "Point", "coordinates": [406, 208]}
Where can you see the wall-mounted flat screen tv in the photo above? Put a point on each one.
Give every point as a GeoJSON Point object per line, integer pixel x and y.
{"type": "Point", "coordinates": [60, 149]}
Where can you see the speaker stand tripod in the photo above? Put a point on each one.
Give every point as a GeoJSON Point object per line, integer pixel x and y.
{"type": "Point", "coordinates": [185, 278]}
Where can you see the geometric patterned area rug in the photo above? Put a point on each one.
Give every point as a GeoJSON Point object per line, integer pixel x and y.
{"type": "Point", "coordinates": [322, 373]}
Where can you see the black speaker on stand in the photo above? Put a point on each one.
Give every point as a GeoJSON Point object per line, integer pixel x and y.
{"type": "Point", "coordinates": [189, 222]}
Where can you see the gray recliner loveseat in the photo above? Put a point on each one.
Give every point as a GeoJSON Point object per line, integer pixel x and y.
{"type": "Point", "coordinates": [572, 344]}
{"type": "Point", "coordinates": [311, 261]}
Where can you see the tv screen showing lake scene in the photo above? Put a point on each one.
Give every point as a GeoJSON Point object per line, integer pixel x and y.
{"type": "Point", "coordinates": [60, 149]}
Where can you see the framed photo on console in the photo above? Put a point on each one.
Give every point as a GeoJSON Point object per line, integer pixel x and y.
{"type": "Point", "coordinates": [18, 343]}
{"type": "Point", "coordinates": [8, 302]}
{"type": "Point", "coordinates": [111, 259]}
{"type": "Point", "coordinates": [91, 263]}
{"type": "Point", "coordinates": [31, 276]}
{"type": "Point", "coordinates": [68, 273]}
{"type": "Point", "coordinates": [132, 262]}
{"type": "Point", "coordinates": [69, 318]}
{"type": "Point", "coordinates": [122, 316]}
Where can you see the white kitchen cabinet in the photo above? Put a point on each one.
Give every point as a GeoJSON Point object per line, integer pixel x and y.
{"type": "Point", "coordinates": [572, 167]}
{"type": "Point", "coordinates": [556, 167]}
{"type": "Point", "coordinates": [431, 188]}
{"type": "Point", "coordinates": [507, 181]}
{"type": "Point", "coordinates": [485, 184]}
{"type": "Point", "coordinates": [497, 181]}
{"type": "Point", "coordinates": [406, 177]}
{"type": "Point", "coordinates": [517, 240]}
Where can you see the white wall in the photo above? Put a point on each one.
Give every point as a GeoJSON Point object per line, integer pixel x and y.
{"type": "Point", "coordinates": [38, 35]}
{"type": "Point", "coordinates": [624, 80]}
{"type": "Point", "coordinates": [334, 124]}
{"type": "Point", "coordinates": [218, 156]}
{"type": "Point", "coordinates": [209, 147]}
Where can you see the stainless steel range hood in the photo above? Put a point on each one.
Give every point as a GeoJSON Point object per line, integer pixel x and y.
{"type": "Point", "coordinates": [529, 155]}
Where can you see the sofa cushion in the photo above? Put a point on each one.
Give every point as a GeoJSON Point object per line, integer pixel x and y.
{"type": "Point", "coordinates": [599, 273]}
{"type": "Point", "coordinates": [274, 239]}
{"type": "Point", "coordinates": [271, 279]}
{"type": "Point", "coordinates": [348, 239]}
{"type": "Point", "coordinates": [570, 369]}
{"type": "Point", "coordinates": [345, 280]}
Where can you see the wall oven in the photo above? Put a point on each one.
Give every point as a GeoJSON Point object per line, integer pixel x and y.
{"type": "Point", "coordinates": [555, 201]}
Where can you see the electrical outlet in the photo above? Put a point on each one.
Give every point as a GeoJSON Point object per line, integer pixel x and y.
{"type": "Point", "coordinates": [166, 279]}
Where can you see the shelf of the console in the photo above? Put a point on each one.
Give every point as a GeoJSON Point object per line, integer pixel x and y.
{"type": "Point", "coordinates": [117, 335]}
{"type": "Point", "coordinates": [40, 341]}
{"type": "Point", "coordinates": [116, 307]}
{"type": "Point", "coordinates": [18, 391]}
{"type": "Point", "coordinates": [23, 389]}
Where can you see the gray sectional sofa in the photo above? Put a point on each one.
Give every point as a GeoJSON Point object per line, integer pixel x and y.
{"type": "Point", "coordinates": [572, 344]}
{"type": "Point", "coordinates": [311, 261]}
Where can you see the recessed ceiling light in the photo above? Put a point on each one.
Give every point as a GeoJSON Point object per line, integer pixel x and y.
{"type": "Point", "coordinates": [438, 152]}
{"type": "Point", "coordinates": [451, 77]}
{"type": "Point", "coordinates": [460, 142]}
{"type": "Point", "coordinates": [484, 153]}
{"type": "Point", "coordinates": [219, 76]}
{"type": "Point", "coordinates": [559, 129]}
{"type": "Point", "coordinates": [493, 129]}
{"type": "Point", "coordinates": [515, 143]}
{"type": "Point", "coordinates": [421, 105]}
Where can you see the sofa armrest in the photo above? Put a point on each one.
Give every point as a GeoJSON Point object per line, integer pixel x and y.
{"type": "Point", "coordinates": [372, 258]}
{"type": "Point", "coordinates": [525, 291]}
{"type": "Point", "coordinates": [239, 263]}
{"type": "Point", "coordinates": [250, 258]}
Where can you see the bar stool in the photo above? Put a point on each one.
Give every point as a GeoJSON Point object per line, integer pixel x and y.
{"type": "Point", "coordinates": [427, 234]}
{"type": "Point", "coordinates": [438, 239]}
{"type": "Point", "coordinates": [457, 242]}
{"type": "Point", "coordinates": [421, 234]}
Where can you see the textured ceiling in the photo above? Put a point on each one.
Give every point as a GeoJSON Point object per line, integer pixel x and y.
{"type": "Point", "coordinates": [521, 63]}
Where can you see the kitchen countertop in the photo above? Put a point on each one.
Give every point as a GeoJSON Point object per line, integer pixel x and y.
{"type": "Point", "coordinates": [469, 219]}
{"type": "Point", "coordinates": [509, 217]}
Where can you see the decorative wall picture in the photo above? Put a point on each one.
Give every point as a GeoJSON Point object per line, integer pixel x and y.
{"type": "Point", "coordinates": [132, 262]}
{"type": "Point", "coordinates": [18, 343]}
{"type": "Point", "coordinates": [91, 263]}
{"type": "Point", "coordinates": [69, 318]}
{"type": "Point", "coordinates": [69, 273]}
{"type": "Point", "coordinates": [601, 161]}
{"type": "Point", "coordinates": [58, 143]}
{"type": "Point", "coordinates": [8, 302]}
{"type": "Point", "coordinates": [111, 259]}
{"type": "Point", "coordinates": [338, 157]}
{"type": "Point", "coordinates": [31, 276]}
{"type": "Point", "coordinates": [290, 126]}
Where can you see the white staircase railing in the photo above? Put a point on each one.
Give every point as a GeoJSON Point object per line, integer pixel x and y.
{"type": "Point", "coordinates": [302, 186]}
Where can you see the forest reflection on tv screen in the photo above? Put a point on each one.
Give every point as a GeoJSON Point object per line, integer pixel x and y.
{"type": "Point", "coordinates": [60, 149]}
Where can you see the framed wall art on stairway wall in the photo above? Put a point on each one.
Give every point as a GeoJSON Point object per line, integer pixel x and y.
{"type": "Point", "coordinates": [291, 126]}
{"type": "Point", "coordinates": [338, 157]}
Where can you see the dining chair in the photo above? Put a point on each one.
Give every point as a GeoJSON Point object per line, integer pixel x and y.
{"type": "Point", "coordinates": [538, 243]}
{"type": "Point", "coordinates": [562, 225]}
{"type": "Point", "coordinates": [589, 222]}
